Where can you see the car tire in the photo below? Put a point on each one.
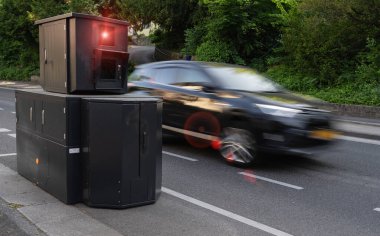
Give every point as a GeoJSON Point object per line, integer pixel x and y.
{"type": "Point", "coordinates": [238, 146]}
{"type": "Point", "coordinates": [204, 123]}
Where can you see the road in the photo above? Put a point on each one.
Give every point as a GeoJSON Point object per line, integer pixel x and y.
{"type": "Point", "coordinates": [333, 193]}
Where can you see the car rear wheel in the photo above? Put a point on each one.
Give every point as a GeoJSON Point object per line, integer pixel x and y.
{"type": "Point", "coordinates": [238, 146]}
{"type": "Point", "coordinates": [201, 123]}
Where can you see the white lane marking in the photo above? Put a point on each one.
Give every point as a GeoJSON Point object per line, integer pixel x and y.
{"type": "Point", "coordinates": [226, 213]}
{"type": "Point", "coordinates": [1, 109]}
{"type": "Point", "coordinates": [179, 156]}
{"type": "Point", "coordinates": [12, 135]}
{"type": "Point", "coordinates": [13, 112]}
{"type": "Point", "coordinates": [359, 140]}
{"type": "Point", "coordinates": [8, 154]}
{"type": "Point", "coordinates": [271, 180]}
{"type": "Point", "coordinates": [377, 209]}
{"type": "Point", "coordinates": [2, 130]}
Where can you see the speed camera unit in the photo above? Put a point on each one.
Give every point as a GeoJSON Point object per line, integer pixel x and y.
{"type": "Point", "coordinates": [81, 53]}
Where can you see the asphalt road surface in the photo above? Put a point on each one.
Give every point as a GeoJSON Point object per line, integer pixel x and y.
{"type": "Point", "coordinates": [336, 192]}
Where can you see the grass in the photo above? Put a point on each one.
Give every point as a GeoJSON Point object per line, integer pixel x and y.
{"type": "Point", "coordinates": [351, 92]}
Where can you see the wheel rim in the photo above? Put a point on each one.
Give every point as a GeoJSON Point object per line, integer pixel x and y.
{"type": "Point", "coordinates": [238, 146]}
{"type": "Point", "coordinates": [201, 122]}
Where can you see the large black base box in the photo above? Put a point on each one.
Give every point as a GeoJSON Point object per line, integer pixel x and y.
{"type": "Point", "coordinates": [50, 166]}
{"type": "Point", "coordinates": [122, 151]}
{"type": "Point", "coordinates": [103, 150]}
{"type": "Point", "coordinates": [48, 142]}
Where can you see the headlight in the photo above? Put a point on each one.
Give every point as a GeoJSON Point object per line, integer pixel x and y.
{"type": "Point", "coordinates": [277, 110]}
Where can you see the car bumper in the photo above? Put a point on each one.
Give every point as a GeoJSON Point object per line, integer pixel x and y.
{"type": "Point", "coordinates": [299, 142]}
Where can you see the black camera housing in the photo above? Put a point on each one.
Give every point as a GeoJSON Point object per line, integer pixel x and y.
{"type": "Point", "coordinates": [81, 53]}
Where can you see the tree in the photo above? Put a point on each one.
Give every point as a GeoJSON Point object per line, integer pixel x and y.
{"type": "Point", "coordinates": [19, 35]}
{"type": "Point", "coordinates": [18, 44]}
{"type": "Point", "coordinates": [247, 29]}
{"type": "Point", "coordinates": [324, 38]}
{"type": "Point", "coordinates": [172, 16]}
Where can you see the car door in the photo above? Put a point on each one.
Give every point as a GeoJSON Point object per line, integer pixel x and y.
{"type": "Point", "coordinates": [198, 108]}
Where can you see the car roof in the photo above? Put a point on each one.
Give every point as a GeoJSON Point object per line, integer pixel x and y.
{"type": "Point", "coordinates": [185, 63]}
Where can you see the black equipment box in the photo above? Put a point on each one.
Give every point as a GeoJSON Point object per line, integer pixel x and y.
{"type": "Point", "coordinates": [103, 150]}
{"type": "Point", "coordinates": [48, 142]}
{"type": "Point", "coordinates": [122, 151]}
{"type": "Point", "coordinates": [83, 53]}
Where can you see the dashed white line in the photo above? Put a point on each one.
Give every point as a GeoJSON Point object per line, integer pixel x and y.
{"type": "Point", "coordinates": [377, 209]}
{"type": "Point", "coordinates": [13, 112]}
{"type": "Point", "coordinates": [271, 180]}
{"type": "Point", "coordinates": [8, 154]}
{"type": "Point", "coordinates": [12, 135]}
{"type": "Point", "coordinates": [226, 213]}
{"type": "Point", "coordinates": [179, 156]}
{"type": "Point", "coordinates": [359, 140]}
{"type": "Point", "coordinates": [1, 109]}
{"type": "Point", "coordinates": [3, 130]}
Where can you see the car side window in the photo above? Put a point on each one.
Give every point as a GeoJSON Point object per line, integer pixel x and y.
{"type": "Point", "coordinates": [191, 76]}
{"type": "Point", "coordinates": [142, 74]}
{"type": "Point", "coordinates": [165, 75]}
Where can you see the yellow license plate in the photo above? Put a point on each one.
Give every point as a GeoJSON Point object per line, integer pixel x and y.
{"type": "Point", "coordinates": [323, 134]}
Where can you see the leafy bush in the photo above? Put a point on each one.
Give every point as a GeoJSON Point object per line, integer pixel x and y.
{"type": "Point", "coordinates": [291, 79]}
{"type": "Point", "coordinates": [323, 38]}
{"type": "Point", "coordinates": [352, 91]}
{"type": "Point", "coordinates": [246, 31]}
{"type": "Point", "coordinates": [369, 68]}
{"type": "Point", "coordinates": [17, 72]}
{"type": "Point", "coordinates": [218, 52]}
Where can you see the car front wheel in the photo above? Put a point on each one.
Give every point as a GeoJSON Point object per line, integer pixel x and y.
{"type": "Point", "coordinates": [238, 146]}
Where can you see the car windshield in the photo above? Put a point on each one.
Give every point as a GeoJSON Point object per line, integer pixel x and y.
{"type": "Point", "coordinates": [243, 79]}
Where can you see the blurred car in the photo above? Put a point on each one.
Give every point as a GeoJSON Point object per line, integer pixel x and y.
{"type": "Point", "coordinates": [232, 108]}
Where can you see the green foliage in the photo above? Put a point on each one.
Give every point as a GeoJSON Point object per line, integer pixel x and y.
{"type": "Point", "coordinates": [19, 36]}
{"type": "Point", "coordinates": [291, 79]}
{"type": "Point", "coordinates": [218, 52]}
{"type": "Point", "coordinates": [18, 44]}
{"type": "Point", "coordinates": [250, 28]}
{"type": "Point", "coordinates": [329, 49]}
{"type": "Point", "coordinates": [172, 16]}
{"type": "Point", "coordinates": [12, 72]}
{"type": "Point", "coordinates": [85, 6]}
{"type": "Point", "coordinates": [352, 91]}
{"type": "Point", "coordinates": [369, 67]}
{"type": "Point", "coordinates": [193, 37]}
{"type": "Point", "coordinates": [323, 38]}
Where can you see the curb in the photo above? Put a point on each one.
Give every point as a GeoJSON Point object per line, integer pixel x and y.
{"type": "Point", "coordinates": [360, 111]}
{"type": "Point", "coordinates": [45, 212]}
{"type": "Point", "coordinates": [357, 122]}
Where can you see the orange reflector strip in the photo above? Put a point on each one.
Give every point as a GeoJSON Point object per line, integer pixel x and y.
{"type": "Point", "coordinates": [37, 161]}
{"type": "Point", "coordinates": [323, 134]}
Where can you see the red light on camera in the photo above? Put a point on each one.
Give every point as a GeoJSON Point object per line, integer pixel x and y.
{"type": "Point", "coordinates": [105, 35]}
